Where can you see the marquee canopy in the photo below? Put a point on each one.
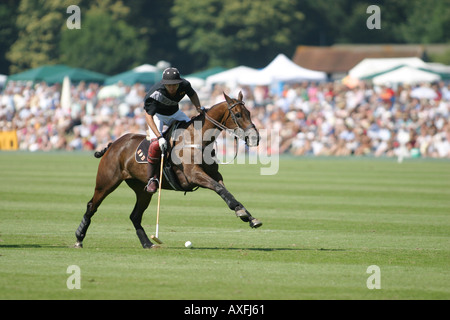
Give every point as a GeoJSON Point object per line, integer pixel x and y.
{"type": "Point", "coordinates": [282, 69]}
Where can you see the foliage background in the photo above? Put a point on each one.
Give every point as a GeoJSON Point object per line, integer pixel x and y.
{"type": "Point", "coordinates": [117, 35]}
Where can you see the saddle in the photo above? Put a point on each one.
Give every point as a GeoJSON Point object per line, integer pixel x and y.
{"type": "Point", "coordinates": [141, 157]}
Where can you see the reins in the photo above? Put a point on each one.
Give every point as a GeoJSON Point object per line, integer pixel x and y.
{"type": "Point", "coordinates": [230, 131]}
{"type": "Point", "coordinates": [219, 125]}
{"type": "Point", "coordinates": [223, 127]}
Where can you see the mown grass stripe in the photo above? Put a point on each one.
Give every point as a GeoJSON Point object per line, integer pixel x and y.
{"type": "Point", "coordinates": [325, 221]}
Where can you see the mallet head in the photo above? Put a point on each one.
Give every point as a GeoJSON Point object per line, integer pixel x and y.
{"type": "Point", "coordinates": [156, 239]}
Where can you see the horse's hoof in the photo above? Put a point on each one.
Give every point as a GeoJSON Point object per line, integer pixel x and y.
{"type": "Point", "coordinates": [255, 223]}
{"type": "Point", "coordinates": [78, 245]}
{"type": "Point", "coordinates": [150, 246]}
{"type": "Point", "coordinates": [243, 214]}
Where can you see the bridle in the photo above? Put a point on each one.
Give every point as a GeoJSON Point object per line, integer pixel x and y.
{"type": "Point", "coordinates": [240, 131]}
{"type": "Point", "coordinates": [237, 132]}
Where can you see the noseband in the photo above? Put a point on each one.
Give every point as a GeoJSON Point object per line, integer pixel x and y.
{"type": "Point", "coordinates": [241, 132]}
{"type": "Point", "coordinates": [237, 136]}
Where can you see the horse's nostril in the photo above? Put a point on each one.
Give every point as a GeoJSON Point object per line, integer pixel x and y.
{"type": "Point", "coordinates": [252, 140]}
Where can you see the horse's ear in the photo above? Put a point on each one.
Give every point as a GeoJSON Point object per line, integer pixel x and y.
{"type": "Point", "coordinates": [240, 96]}
{"type": "Point", "coordinates": [227, 98]}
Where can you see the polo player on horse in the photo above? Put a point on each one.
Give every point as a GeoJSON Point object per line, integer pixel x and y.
{"type": "Point", "coordinates": [161, 107]}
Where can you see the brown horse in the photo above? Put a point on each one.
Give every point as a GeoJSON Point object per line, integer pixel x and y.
{"type": "Point", "coordinates": [118, 163]}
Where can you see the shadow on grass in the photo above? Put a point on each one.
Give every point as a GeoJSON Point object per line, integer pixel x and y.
{"type": "Point", "coordinates": [265, 249]}
{"type": "Point", "coordinates": [49, 246]}
{"type": "Point", "coordinates": [31, 246]}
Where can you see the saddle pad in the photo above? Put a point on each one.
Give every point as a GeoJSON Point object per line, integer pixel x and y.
{"type": "Point", "coordinates": [141, 157]}
{"type": "Point", "coordinates": [141, 151]}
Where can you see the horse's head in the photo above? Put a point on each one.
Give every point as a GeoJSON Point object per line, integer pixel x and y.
{"type": "Point", "coordinates": [240, 121]}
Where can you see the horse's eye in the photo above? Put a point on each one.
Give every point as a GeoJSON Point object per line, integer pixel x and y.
{"type": "Point", "coordinates": [237, 114]}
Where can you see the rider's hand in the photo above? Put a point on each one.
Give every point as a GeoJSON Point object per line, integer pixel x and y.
{"type": "Point", "coordinates": [162, 144]}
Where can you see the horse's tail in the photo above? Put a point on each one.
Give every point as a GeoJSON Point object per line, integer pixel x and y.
{"type": "Point", "coordinates": [100, 154]}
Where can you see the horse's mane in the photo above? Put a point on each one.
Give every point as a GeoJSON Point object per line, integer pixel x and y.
{"type": "Point", "coordinates": [202, 115]}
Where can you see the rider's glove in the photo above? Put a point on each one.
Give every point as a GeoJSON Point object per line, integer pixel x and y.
{"type": "Point", "coordinates": [201, 109]}
{"type": "Point", "coordinates": [162, 144]}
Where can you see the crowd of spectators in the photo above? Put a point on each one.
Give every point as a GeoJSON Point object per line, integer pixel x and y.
{"type": "Point", "coordinates": [310, 118]}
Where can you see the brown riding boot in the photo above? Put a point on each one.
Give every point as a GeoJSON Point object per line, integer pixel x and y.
{"type": "Point", "coordinates": [153, 158]}
{"type": "Point", "coordinates": [153, 182]}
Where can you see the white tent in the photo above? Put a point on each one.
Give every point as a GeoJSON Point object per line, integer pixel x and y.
{"type": "Point", "coordinates": [257, 78]}
{"type": "Point", "coordinates": [371, 66]}
{"type": "Point", "coordinates": [405, 75]}
{"type": "Point", "coordinates": [282, 69]}
{"type": "Point", "coordinates": [197, 83]}
{"type": "Point", "coordinates": [232, 76]}
{"type": "Point", "coordinates": [438, 67]}
{"type": "Point", "coordinates": [146, 68]}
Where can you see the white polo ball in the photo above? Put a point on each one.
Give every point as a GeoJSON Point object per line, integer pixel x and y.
{"type": "Point", "coordinates": [188, 244]}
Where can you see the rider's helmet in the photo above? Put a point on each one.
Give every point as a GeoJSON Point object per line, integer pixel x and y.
{"type": "Point", "coordinates": [171, 76]}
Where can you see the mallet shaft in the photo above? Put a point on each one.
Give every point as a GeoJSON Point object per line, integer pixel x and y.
{"type": "Point", "coordinates": [159, 200]}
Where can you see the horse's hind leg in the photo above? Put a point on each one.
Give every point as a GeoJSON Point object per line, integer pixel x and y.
{"type": "Point", "coordinates": [102, 190]}
{"type": "Point", "coordinates": [143, 199]}
{"type": "Point", "coordinates": [84, 225]}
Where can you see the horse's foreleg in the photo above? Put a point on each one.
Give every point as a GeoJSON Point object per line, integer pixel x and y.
{"type": "Point", "coordinates": [229, 199]}
{"type": "Point", "coordinates": [219, 187]}
{"type": "Point", "coordinates": [235, 205]}
{"type": "Point", "coordinates": [143, 199]}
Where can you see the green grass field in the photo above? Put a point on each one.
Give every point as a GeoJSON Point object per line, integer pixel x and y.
{"type": "Point", "coordinates": [326, 220]}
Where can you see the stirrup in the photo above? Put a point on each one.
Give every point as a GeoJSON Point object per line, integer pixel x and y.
{"type": "Point", "coordinates": [154, 179]}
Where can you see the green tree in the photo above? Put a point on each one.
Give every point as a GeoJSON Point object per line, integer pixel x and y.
{"type": "Point", "coordinates": [351, 26]}
{"type": "Point", "coordinates": [114, 8]}
{"type": "Point", "coordinates": [427, 21]}
{"type": "Point", "coordinates": [230, 32]}
{"type": "Point", "coordinates": [344, 21]}
{"type": "Point", "coordinates": [151, 20]}
{"type": "Point", "coordinates": [8, 31]}
{"type": "Point", "coordinates": [402, 21]}
{"type": "Point", "coordinates": [39, 24]}
{"type": "Point", "coordinates": [105, 43]}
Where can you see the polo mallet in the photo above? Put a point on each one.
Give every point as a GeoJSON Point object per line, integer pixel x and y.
{"type": "Point", "coordinates": [155, 237]}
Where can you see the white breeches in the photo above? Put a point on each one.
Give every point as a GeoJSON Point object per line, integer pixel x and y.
{"type": "Point", "coordinates": [161, 120]}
